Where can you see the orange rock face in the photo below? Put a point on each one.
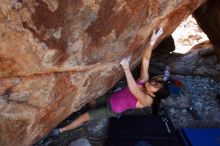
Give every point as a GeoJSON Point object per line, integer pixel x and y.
{"type": "Point", "coordinates": [208, 18]}
{"type": "Point", "coordinates": [203, 45]}
{"type": "Point", "coordinates": [57, 55]}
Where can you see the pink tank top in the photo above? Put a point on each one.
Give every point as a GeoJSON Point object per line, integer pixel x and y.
{"type": "Point", "coordinates": [123, 100]}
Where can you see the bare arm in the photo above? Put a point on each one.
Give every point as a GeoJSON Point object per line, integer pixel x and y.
{"type": "Point", "coordinates": [145, 64]}
{"type": "Point", "coordinates": [144, 99]}
{"type": "Point", "coordinates": [147, 55]}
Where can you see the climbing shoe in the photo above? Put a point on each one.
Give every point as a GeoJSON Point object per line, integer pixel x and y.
{"type": "Point", "coordinates": [55, 132]}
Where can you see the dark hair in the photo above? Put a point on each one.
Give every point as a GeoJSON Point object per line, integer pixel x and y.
{"type": "Point", "coordinates": [163, 92]}
{"type": "Point", "coordinates": [160, 94]}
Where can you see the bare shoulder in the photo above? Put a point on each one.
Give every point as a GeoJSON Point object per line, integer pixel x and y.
{"type": "Point", "coordinates": [148, 100]}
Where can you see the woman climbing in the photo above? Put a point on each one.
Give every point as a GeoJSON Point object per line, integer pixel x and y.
{"type": "Point", "coordinates": [138, 94]}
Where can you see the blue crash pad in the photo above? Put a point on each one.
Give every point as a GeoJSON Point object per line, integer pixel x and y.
{"type": "Point", "coordinates": [201, 136]}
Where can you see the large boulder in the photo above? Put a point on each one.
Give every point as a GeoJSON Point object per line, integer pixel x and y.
{"type": "Point", "coordinates": [57, 55]}
{"type": "Point", "coordinates": [200, 62]}
{"type": "Point", "coordinates": [208, 18]}
{"type": "Point", "coordinates": [203, 45]}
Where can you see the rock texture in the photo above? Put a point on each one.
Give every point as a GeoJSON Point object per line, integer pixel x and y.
{"type": "Point", "coordinates": [56, 55]}
{"type": "Point", "coordinates": [203, 45]}
{"type": "Point", "coordinates": [80, 142]}
{"type": "Point", "coordinates": [208, 18]}
{"type": "Point", "coordinates": [201, 62]}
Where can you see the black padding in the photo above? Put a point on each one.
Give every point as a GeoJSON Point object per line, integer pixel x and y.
{"type": "Point", "coordinates": [128, 130]}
